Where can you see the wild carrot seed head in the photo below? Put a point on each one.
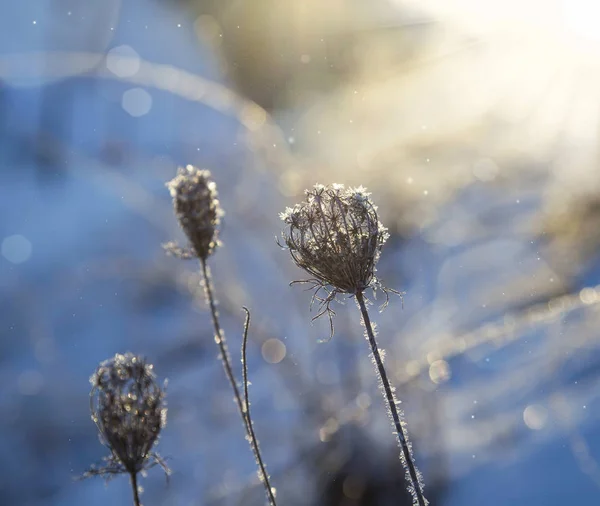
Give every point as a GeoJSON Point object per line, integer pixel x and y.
{"type": "Point", "coordinates": [129, 409]}
{"type": "Point", "coordinates": [197, 208]}
{"type": "Point", "coordinates": [335, 236]}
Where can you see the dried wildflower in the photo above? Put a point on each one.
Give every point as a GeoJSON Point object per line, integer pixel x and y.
{"type": "Point", "coordinates": [129, 409]}
{"type": "Point", "coordinates": [335, 235]}
{"type": "Point", "coordinates": [197, 208]}
{"type": "Point", "coordinates": [198, 211]}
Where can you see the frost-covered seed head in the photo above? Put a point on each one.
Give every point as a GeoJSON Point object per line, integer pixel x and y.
{"type": "Point", "coordinates": [128, 406]}
{"type": "Point", "coordinates": [335, 236]}
{"type": "Point", "coordinates": [197, 208]}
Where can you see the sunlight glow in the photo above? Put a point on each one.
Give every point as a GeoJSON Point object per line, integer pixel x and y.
{"type": "Point", "coordinates": [582, 19]}
{"type": "Point", "coordinates": [574, 23]}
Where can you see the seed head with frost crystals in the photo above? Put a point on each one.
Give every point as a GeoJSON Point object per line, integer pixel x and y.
{"type": "Point", "coordinates": [335, 235]}
{"type": "Point", "coordinates": [129, 409]}
{"type": "Point", "coordinates": [197, 209]}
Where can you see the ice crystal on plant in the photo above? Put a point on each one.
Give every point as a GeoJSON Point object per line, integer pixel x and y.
{"type": "Point", "coordinates": [198, 211]}
{"type": "Point", "coordinates": [335, 236]}
{"type": "Point", "coordinates": [129, 409]}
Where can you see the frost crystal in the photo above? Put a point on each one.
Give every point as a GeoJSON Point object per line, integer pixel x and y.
{"type": "Point", "coordinates": [197, 209]}
{"type": "Point", "coordinates": [335, 236]}
{"type": "Point", "coordinates": [129, 409]}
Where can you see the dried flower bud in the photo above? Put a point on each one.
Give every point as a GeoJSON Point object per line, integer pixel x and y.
{"type": "Point", "coordinates": [197, 209]}
{"type": "Point", "coordinates": [335, 236]}
{"type": "Point", "coordinates": [129, 409]}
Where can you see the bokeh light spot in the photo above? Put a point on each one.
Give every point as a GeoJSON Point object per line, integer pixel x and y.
{"type": "Point", "coordinates": [123, 61]}
{"type": "Point", "coordinates": [535, 416]}
{"type": "Point", "coordinates": [137, 102]}
{"type": "Point", "coordinates": [588, 295]}
{"type": "Point", "coordinates": [273, 351]}
{"type": "Point", "coordinates": [16, 249]}
{"type": "Point", "coordinates": [439, 372]}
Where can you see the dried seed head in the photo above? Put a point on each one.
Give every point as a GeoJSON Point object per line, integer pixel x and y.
{"type": "Point", "coordinates": [129, 409]}
{"type": "Point", "coordinates": [197, 209]}
{"type": "Point", "coordinates": [336, 237]}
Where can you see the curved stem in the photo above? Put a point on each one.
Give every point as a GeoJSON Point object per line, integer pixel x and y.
{"type": "Point", "coordinates": [253, 440]}
{"type": "Point", "coordinates": [226, 360]}
{"type": "Point", "coordinates": [407, 458]}
{"type": "Point", "coordinates": [134, 485]}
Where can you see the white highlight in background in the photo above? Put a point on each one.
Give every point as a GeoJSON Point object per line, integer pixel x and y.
{"type": "Point", "coordinates": [123, 61]}
{"type": "Point", "coordinates": [16, 249]}
{"type": "Point", "coordinates": [137, 102]}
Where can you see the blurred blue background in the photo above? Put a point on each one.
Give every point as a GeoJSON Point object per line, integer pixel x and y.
{"type": "Point", "coordinates": [475, 125]}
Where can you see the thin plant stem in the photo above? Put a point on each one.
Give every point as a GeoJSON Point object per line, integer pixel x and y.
{"type": "Point", "coordinates": [253, 440]}
{"type": "Point", "coordinates": [134, 485]}
{"type": "Point", "coordinates": [407, 458]}
{"type": "Point", "coordinates": [226, 360]}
